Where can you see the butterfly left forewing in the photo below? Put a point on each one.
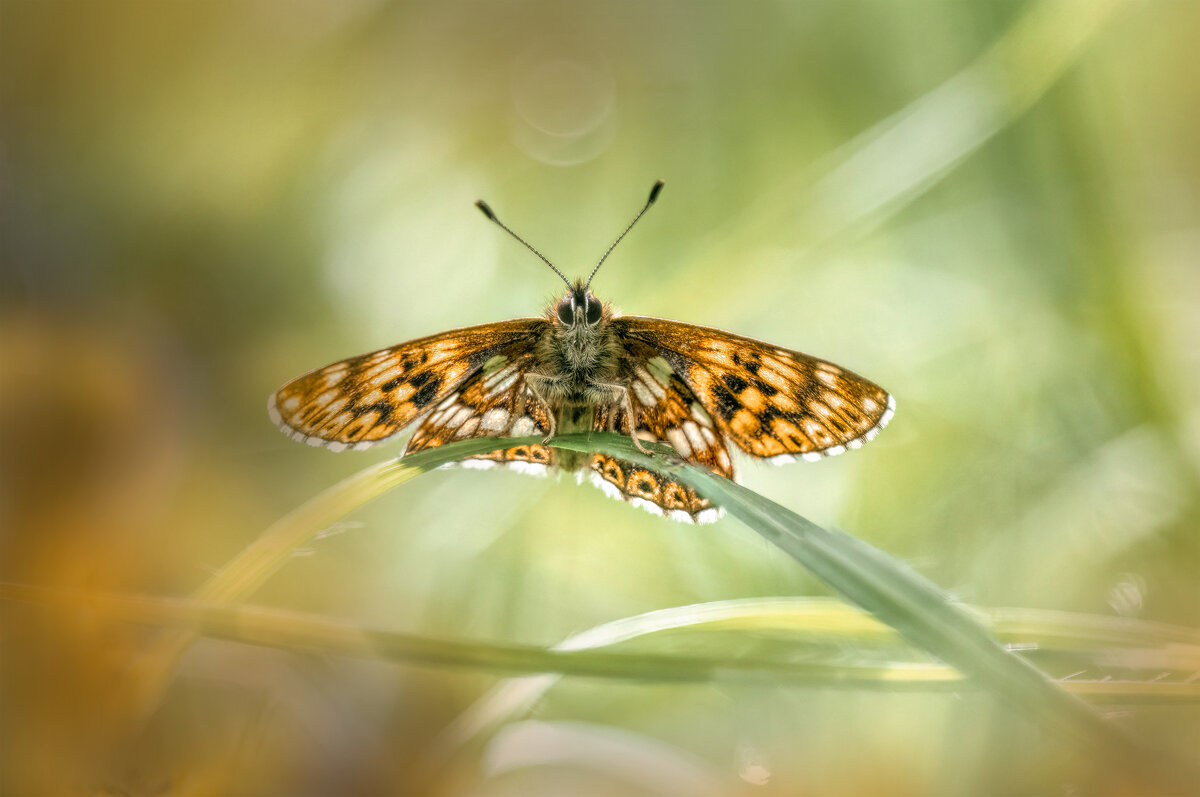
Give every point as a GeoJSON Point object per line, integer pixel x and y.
{"type": "Point", "coordinates": [368, 399]}
{"type": "Point", "coordinates": [771, 402]}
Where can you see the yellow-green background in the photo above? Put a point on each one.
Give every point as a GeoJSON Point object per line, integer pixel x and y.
{"type": "Point", "coordinates": [991, 208]}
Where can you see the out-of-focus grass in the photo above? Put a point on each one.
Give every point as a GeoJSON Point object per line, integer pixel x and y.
{"type": "Point", "coordinates": [882, 586]}
{"type": "Point", "coordinates": [989, 208]}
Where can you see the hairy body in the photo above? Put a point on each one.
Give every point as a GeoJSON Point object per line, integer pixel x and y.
{"type": "Point", "coordinates": [578, 369]}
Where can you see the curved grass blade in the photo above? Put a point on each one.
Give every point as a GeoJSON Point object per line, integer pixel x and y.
{"type": "Point", "coordinates": [888, 589]}
{"type": "Point", "coordinates": [903, 599]}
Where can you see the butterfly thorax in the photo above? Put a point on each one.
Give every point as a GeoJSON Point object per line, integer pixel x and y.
{"type": "Point", "coordinates": [578, 362]}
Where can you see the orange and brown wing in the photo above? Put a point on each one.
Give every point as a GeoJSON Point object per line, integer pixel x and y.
{"type": "Point", "coordinates": [771, 402]}
{"type": "Point", "coordinates": [368, 399]}
{"type": "Point", "coordinates": [667, 412]}
{"type": "Point", "coordinates": [650, 490]}
{"type": "Point", "coordinates": [493, 402]}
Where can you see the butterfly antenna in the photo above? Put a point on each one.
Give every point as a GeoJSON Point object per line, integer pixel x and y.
{"type": "Point", "coordinates": [653, 196]}
{"type": "Point", "coordinates": [491, 214]}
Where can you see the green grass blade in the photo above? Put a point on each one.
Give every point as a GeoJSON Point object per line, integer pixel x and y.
{"type": "Point", "coordinates": [897, 595]}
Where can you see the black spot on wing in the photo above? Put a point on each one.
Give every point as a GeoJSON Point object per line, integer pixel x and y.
{"type": "Point", "coordinates": [382, 407]}
{"type": "Point", "coordinates": [727, 403]}
{"type": "Point", "coordinates": [416, 380]}
{"type": "Point", "coordinates": [839, 425]}
{"type": "Point", "coordinates": [479, 357]}
{"type": "Point", "coordinates": [429, 389]}
{"type": "Point", "coordinates": [769, 413]}
{"type": "Point", "coordinates": [735, 383]}
{"type": "Point", "coordinates": [764, 388]}
{"type": "Point", "coordinates": [748, 360]}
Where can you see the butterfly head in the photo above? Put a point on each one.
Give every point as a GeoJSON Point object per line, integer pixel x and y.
{"type": "Point", "coordinates": [579, 307]}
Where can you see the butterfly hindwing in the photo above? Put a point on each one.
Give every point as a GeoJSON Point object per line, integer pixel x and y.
{"type": "Point", "coordinates": [365, 400]}
{"type": "Point", "coordinates": [496, 401]}
{"type": "Point", "coordinates": [771, 402]}
{"type": "Point", "coordinates": [650, 490]}
{"type": "Point", "coordinates": [667, 412]}
{"type": "Point", "coordinates": [493, 402]}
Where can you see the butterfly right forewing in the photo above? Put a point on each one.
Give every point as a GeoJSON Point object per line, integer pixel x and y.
{"type": "Point", "coordinates": [771, 402]}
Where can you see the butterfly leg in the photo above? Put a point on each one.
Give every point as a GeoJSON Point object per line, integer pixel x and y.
{"type": "Point", "coordinates": [537, 384]}
{"type": "Point", "coordinates": [627, 403]}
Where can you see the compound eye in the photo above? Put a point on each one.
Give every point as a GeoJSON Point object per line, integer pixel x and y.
{"type": "Point", "coordinates": [566, 313]}
{"type": "Point", "coordinates": [594, 310]}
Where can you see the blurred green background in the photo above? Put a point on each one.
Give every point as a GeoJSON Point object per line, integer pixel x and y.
{"type": "Point", "coordinates": [990, 208]}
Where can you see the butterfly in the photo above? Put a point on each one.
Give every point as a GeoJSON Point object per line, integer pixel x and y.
{"type": "Point", "coordinates": [583, 366]}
